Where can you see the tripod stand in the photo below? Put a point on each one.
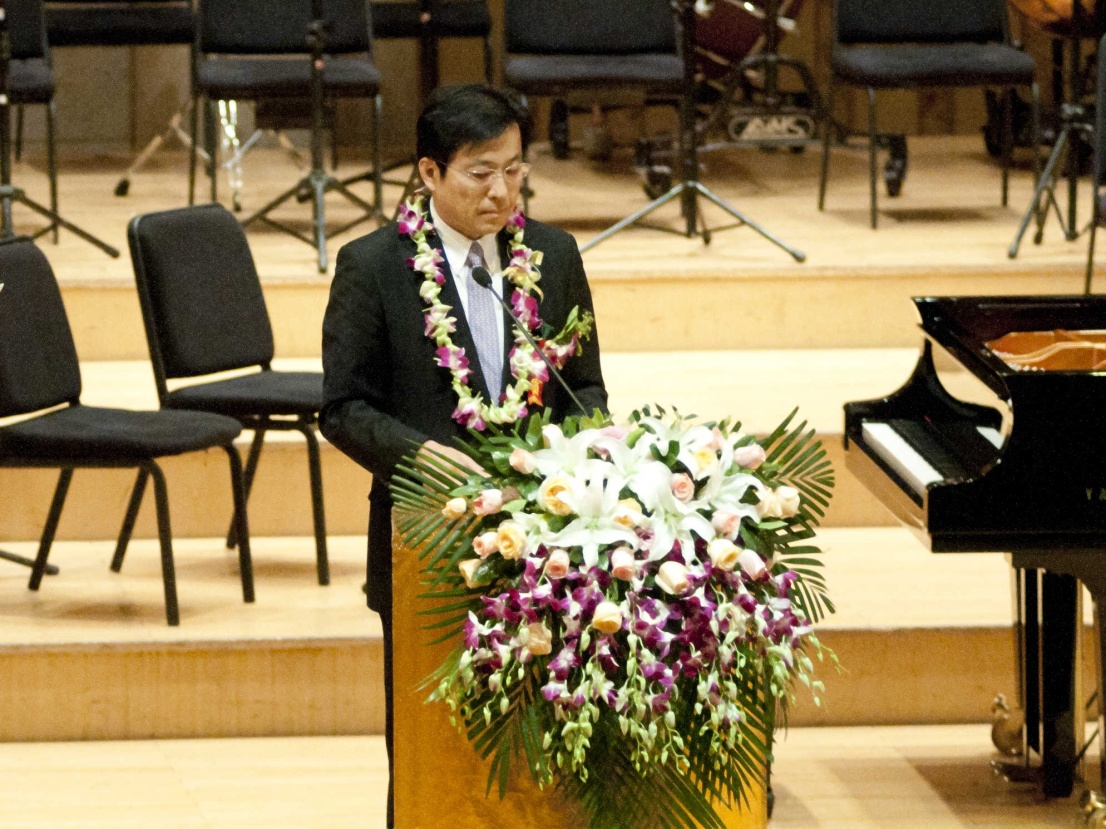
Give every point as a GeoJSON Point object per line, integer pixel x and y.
{"type": "Point", "coordinates": [1076, 125]}
{"type": "Point", "coordinates": [317, 183]}
{"type": "Point", "coordinates": [8, 192]}
{"type": "Point", "coordinates": [690, 189]}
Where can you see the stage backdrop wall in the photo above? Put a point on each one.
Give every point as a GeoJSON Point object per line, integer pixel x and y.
{"type": "Point", "coordinates": [114, 99]}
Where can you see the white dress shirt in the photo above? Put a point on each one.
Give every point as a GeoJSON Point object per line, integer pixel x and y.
{"type": "Point", "coordinates": [456, 246]}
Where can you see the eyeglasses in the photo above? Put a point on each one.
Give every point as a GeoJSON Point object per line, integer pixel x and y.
{"type": "Point", "coordinates": [484, 177]}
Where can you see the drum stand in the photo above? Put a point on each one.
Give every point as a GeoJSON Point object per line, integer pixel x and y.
{"type": "Point", "coordinates": [1076, 125]}
{"type": "Point", "coordinates": [690, 189]}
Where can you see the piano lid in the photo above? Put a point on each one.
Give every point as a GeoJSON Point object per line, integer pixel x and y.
{"type": "Point", "coordinates": [996, 337]}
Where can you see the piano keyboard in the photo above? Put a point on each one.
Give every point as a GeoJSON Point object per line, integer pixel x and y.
{"type": "Point", "coordinates": [901, 444]}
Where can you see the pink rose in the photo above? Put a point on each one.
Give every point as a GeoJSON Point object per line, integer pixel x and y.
{"type": "Point", "coordinates": [557, 564]}
{"type": "Point", "coordinates": [749, 456]}
{"type": "Point", "coordinates": [726, 523]}
{"type": "Point", "coordinates": [485, 544]}
{"type": "Point", "coordinates": [683, 487]}
{"type": "Point", "coordinates": [523, 461]}
{"type": "Point", "coordinates": [672, 578]}
{"type": "Point", "coordinates": [623, 564]}
{"type": "Point", "coordinates": [717, 439]}
{"type": "Point", "coordinates": [752, 564]}
{"type": "Point", "coordinates": [607, 618]}
{"type": "Point", "coordinates": [488, 502]}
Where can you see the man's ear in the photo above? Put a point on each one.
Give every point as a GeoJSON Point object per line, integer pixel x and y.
{"type": "Point", "coordinates": [430, 174]}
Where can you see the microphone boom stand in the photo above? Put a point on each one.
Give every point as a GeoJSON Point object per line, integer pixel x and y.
{"type": "Point", "coordinates": [9, 193]}
{"type": "Point", "coordinates": [690, 188]}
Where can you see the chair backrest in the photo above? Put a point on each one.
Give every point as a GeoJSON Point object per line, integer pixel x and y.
{"type": "Point", "coordinates": [913, 21]}
{"type": "Point", "coordinates": [585, 27]}
{"type": "Point", "coordinates": [119, 22]}
{"type": "Point", "coordinates": [261, 27]}
{"type": "Point", "coordinates": [27, 27]}
{"type": "Point", "coordinates": [201, 298]}
{"type": "Point", "coordinates": [38, 361]}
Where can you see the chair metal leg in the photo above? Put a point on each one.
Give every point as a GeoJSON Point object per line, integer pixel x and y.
{"type": "Point", "coordinates": [211, 120]}
{"type": "Point", "coordinates": [51, 527]}
{"type": "Point", "coordinates": [165, 539]}
{"type": "Point", "coordinates": [129, 519]}
{"type": "Point", "coordinates": [19, 133]}
{"type": "Point", "coordinates": [251, 470]}
{"type": "Point", "coordinates": [245, 560]}
{"type": "Point", "coordinates": [873, 140]}
{"type": "Point", "coordinates": [318, 512]}
{"type": "Point", "coordinates": [52, 164]}
{"type": "Point", "coordinates": [1090, 248]}
{"type": "Point", "coordinates": [827, 132]}
{"type": "Point", "coordinates": [489, 62]}
{"type": "Point", "coordinates": [1007, 141]}
{"type": "Point", "coordinates": [193, 150]}
{"type": "Point", "coordinates": [378, 174]}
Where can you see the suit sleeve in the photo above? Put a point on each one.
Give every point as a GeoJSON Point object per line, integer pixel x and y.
{"type": "Point", "coordinates": [582, 372]}
{"type": "Point", "coordinates": [357, 372]}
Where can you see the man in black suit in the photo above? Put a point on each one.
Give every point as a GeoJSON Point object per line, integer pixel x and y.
{"type": "Point", "coordinates": [386, 393]}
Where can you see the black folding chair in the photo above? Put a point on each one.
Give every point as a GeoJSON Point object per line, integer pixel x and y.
{"type": "Point", "coordinates": [554, 47]}
{"type": "Point", "coordinates": [31, 81]}
{"type": "Point", "coordinates": [899, 44]}
{"type": "Point", "coordinates": [1098, 198]}
{"type": "Point", "coordinates": [125, 23]}
{"type": "Point", "coordinates": [257, 49]}
{"type": "Point", "coordinates": [40, 376]}
{"type": "Point", "coordinates": [205, 313]}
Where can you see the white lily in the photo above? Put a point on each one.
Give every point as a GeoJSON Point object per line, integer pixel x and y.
{"type": "Point", "coordinates": [594, 500]}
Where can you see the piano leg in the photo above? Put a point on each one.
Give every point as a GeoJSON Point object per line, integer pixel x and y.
{"type": "Point", "coordinates": [1058, 665]}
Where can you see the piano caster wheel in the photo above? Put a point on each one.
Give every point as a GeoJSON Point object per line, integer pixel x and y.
{"type": "Point", "coordinates": [1007, 727]}
{"type": "Point", "coordinates": [1093, 805]}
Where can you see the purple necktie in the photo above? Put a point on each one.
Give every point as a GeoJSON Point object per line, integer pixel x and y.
{"type": "Point", "coordinates": [481, 314]}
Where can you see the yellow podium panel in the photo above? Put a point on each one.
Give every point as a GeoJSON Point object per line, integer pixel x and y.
{"type": "Point", "coordinates": [440, 781]}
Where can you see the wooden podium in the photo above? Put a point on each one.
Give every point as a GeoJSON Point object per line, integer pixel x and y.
{"type": "Point", "coordinates": [440, 780]}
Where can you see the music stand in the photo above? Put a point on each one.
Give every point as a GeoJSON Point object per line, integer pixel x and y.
{"type": "Point", "coordinates": [690, 189]}
{"type": "Point", "coordinates": [9, 193]}
{"type": "Point", "coordinates": [1076, 122]}
{"type": "Point", "coordinates": [317, 182]}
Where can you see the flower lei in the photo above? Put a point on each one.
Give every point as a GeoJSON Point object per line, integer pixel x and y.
{"type": "Point", "coordinates": [527, 368]}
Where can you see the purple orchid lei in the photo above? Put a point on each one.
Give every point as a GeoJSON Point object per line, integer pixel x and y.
{"type": "Point", "coordinates": [528, 370]}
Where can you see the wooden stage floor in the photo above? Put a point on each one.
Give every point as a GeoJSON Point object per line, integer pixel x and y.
{"type": "Point", "coordinates": [934, 777]}
{"type": "Point", "coordinates": [948, 216]}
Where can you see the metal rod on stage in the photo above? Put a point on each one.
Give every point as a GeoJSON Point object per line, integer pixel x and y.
{"type": "Point", "coordinates": [690, 188]}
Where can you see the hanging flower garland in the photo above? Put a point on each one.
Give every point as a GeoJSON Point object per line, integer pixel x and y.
{"type": "Point", "coordinates": [527, 368]}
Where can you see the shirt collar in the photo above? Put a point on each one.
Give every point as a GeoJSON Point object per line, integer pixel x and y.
{"type": "Point", "coordinates": [458, 244]}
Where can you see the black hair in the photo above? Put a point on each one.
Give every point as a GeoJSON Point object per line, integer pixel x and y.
{"type": "Point", "coordinates": [457, 116]}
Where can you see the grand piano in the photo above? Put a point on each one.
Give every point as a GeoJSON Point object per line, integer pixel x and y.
{"type": "Point", "coordinates": [1019, 469]}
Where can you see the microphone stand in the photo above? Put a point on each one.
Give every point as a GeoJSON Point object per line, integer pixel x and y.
{"type": "Point", "coordinates": [8, 193]}
{"type": "Point", "coordinates": [317, 182]}
{"type": "Point", "coordinates": [484, 279]}
{"type": "Point", "coordinates": [690, 188]}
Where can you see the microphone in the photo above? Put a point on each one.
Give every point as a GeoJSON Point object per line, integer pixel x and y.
{"type": "Point", "coordinates": [482, 278]}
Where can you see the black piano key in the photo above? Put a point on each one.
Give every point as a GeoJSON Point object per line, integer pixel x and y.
{"type": "Point", "coordinates": [954, 448]}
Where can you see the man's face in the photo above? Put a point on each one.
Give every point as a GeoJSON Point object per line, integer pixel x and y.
{"type": "Point", "coordinates": [466, 197]}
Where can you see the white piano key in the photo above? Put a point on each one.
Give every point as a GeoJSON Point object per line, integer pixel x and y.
{"type": "Point", "coordinates": [900, 456]}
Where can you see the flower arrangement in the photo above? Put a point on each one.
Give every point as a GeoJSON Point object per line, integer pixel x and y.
{"type": "Point", "coordinates": [629, 604]}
